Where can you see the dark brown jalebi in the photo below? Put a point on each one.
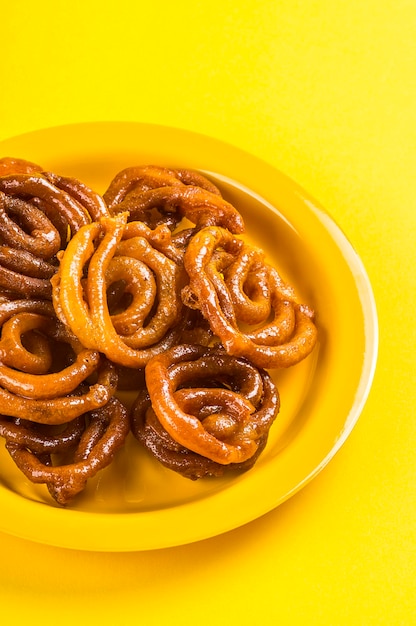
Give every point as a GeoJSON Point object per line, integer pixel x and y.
{"type": "Point", "coordinates": [62, 210]}
{"type": "Point", "coordinates": [176, 194]}
{"type": "Point", "coordinates": [137, 179]}
{"type": "Point", "coordinates": [38, 212]}
{"type": "Point", "coordinates": [41, 439]}
{"type": "Point", "coordinates": [24, 274]}
{"type": "Point", "coordinates": [25, 227]}
{"type": "Point", "coordinates": [104, 434]}
{"type": "Point", "coordinates": [9, 307]}
{"type": "Point", "coordinates": [210, 403]}
{"type": "Point", "coordinates": [284, 341]}
{"type": "Point", "coordinates": [29, 243]}
{"type": "Point", "coordinates": [80, 192]}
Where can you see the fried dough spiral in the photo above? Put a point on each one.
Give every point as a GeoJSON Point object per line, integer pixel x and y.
{"type": "Point", "coordinates": [150, 433]}
{"type": "Point", "coordinates": [150, 323]}
{"type": "Point", "coordinates": [226, 295]}
{"type": "Point", "coordinates": [28, 245]}
{"type": "Point", "coordinates": [24, 274]}
{"type": "Point", "coordinates": [48, 382]}
{"type": "Point", "coordinates": [31, 390]}
{"type": "Point", "coordinates": [41, 439]}
{"type": "Point", "coordinates": [214, 405]}
{"type": "Point", "coordinates": [105, 432]}
{"type": "Point", "coordinates": [9, 307]}
{"type": "Point", "coordinates": [79, 191]}
{"type": "Point", "coordinates": [174, 194]}
{"type": "Point", "coordinates": [62, 210]}
{"type": "Point", "coordinates": [27, 373]}
{"type": "Point", "coordinates": [137, 179]}
{"type": "Point", "coordinates": [25, 227]}
{"type": "Point", "coordinates": [38, 212]}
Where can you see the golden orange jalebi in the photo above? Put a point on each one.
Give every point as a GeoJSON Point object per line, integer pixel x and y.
{"type": "Point", "coordinates": [210, 403]}
{"type": "Point", "coordinates": [282, 342]}
{"type": "Point", "coordinates": [151, 278]}
{"type": "Point", "coordinates": [32, 388]}
{"type": "Point", "coordinates": [148, 430]}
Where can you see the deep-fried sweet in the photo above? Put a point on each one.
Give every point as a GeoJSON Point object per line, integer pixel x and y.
{"type": "Point", "coordinates": [104, 434]}
{"type": "Point", "coordinates": [158, 195]}
{"type": "Point", "coordinates": [149, 288]}
{"type": "Point", "coordinates": [99, 256]}
{"type": "Point", "coordinates": [225, 302]}
{"type": "Point", "coordinates": [215, 405]}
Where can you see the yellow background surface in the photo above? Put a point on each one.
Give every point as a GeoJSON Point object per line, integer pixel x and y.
{"type": "Point", "coordinates": [326, 92]}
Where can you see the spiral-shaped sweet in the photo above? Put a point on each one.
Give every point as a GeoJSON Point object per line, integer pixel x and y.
{"type": "Point", "coordinates": [220, 286]}
{"type": "Point", "coordinates": [209, 404]}
{"type": "Point", "coordinates": [98, 257]}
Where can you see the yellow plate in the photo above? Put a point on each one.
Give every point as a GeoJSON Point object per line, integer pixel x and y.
{"type": "Point", "coordinates": [136, 504]}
